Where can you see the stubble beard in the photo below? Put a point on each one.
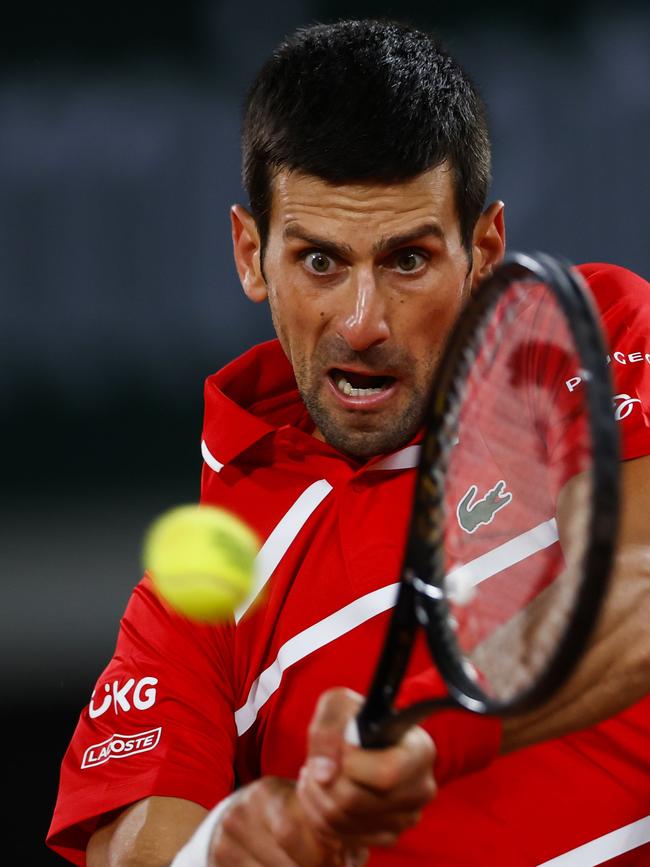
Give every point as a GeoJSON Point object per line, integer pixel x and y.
{"type": "Point", "coordinates": [380, 434]}
{"type": "Point", "coordinates": [363, 442]}
{"type": "Point", "coordinates": [369, 433]}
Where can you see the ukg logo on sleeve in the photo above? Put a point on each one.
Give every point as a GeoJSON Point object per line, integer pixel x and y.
{"type": "Point", "coordinates": [120, 746]}
{"type": "Point", "coordinates": [122, 697]}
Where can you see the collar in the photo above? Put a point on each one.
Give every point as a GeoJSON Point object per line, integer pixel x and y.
{"type": "Point", "coordinates": [256, 395]}
{"type": "Point", "coordinates": [245, 398]}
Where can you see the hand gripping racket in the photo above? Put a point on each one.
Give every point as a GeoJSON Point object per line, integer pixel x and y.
{"type": "Point", "coordinates": [514, 518]}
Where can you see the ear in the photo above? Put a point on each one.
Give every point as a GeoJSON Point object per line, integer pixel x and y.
{"type": "Point", "coordinates": [488, 242]}
{"type": "Point", "coordinates": [247, 249]}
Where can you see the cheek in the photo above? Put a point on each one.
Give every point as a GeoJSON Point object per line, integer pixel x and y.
{"type": "Point", "coordinates": [298, 322]}
{"type": "Point", "coordinates": [424, 330]}
{"type": "Point", "coordinates": [427, 324]}
{"type": "Point", "coordinates": [282, 328]}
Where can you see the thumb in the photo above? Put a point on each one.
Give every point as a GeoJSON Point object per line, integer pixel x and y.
{"type": "Point", "coordinates": [326, 735]}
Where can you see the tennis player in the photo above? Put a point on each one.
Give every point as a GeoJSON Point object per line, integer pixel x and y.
{"type": "Point", "coordinates": [367, 161]}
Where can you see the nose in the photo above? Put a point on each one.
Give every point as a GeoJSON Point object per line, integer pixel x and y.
{"type": "Point", "coordinates": [362, 318]}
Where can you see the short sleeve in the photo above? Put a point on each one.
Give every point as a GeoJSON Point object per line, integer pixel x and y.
{"type": "Point", "coordinates": [160, 722]}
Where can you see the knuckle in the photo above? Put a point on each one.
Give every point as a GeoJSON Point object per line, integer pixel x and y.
{"type": "Point", "coordinates": [284, 830]}
{"type": "Point", "coordinates": [347, 801]}
{"type": "Point", "coordinates": [429, 789]}
{"type": "Point", "coordinates": [332, 814]}
{"type": "Point", "coordinates": [316, 726]}
{"type": "Point", "coordinates": [385, 840]}
{"type": "Point", "coordinates": [327, 698]}
{"type": "Point", "coordinates": [263, 792]}
{"type": "Point", "coordinates": [410, 820]}
{"type": "Point", "coordinates": [231, 822]}
{"type": "Point", "coordinates": [428, 746]}
{"type": "Point", "coordinates": [421, 743]}
{"type": "Point", "coordinates": [330, 706]}
{"type": "Point", "coordinates": [387, 775]}
{"type": "Point", "coordinates": [398, 822]}
{"type": "Point", "coordinates": [222, 848]}
{"type": "Point", "coordinates": [262, 788]}
{"type": "Point", "coordinates": [420, 794]}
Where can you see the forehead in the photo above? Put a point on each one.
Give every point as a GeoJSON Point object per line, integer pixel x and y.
{"type": "Point", "coordinates": [366, 209]}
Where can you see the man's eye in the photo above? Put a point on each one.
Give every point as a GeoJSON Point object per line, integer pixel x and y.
{"type": "Point", "coordinates": [409, 261]}
{"type": "Point", "coordinates": [319, 263]}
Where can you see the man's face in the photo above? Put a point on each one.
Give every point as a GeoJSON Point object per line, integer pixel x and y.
{"type": "Point", "coordinates": [364, 283]}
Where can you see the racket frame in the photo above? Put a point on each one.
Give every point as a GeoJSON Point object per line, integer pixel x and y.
{"type": "Point", "coordinates": [422, 597]}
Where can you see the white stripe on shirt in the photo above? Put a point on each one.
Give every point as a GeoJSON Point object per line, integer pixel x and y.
{"type": "Point", "coordinates": [313, 638]}
{"type": "Point", "coordinates": [503, 556]}
{"type": "Point", "coordinates": [358, 612]}
{"type": "Point", "coordinates": [281, 537]}
{"type": "Point", "coordinates": [606, 847]}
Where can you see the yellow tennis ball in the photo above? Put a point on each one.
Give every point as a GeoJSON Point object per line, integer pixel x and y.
{"type": "Point", "coordinates": [201, 560]}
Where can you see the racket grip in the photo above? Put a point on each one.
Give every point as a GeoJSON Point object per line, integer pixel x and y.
{"type": "Point", "coordinates": [389, 730]}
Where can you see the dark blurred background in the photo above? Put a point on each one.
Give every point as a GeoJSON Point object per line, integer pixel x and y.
{"type": "Point", "coordinates": [118, 161]}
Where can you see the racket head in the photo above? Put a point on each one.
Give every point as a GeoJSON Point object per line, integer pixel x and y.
{"type": "Point", "coordinates": [511, 660]}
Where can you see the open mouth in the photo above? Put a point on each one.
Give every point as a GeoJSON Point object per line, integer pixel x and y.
{"type": "Point", "coordinates": [354, 384]}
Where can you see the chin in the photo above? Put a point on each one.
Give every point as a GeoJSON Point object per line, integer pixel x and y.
{"type": "Point", "coordinates": [365, 444]}
{"type": "Point", "coordinates": [365, 437]}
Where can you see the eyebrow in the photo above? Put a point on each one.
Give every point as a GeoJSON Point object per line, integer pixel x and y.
{"type": "Point", "coordinates": [384, 245]}
{"type": "Point", "coordinates": [429, 229]}
{"type": "Point", "coordinates": [332, 248]}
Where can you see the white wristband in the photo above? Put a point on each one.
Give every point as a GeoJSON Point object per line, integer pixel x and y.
{"type": "Point", "coordinates": [195, 852]}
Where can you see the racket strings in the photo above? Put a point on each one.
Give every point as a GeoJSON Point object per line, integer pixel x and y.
{"type": "Point", "coordinates": [517, 452]}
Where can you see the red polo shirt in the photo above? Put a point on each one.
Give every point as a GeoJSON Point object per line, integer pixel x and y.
{"type": "Point", "coordinates": [180, 708]}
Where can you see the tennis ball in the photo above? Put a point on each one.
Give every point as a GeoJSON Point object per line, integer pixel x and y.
{"type": "Point", "coordinates": [201, 560]}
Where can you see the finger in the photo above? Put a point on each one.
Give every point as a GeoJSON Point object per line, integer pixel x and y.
{"type": "Point", "coordinates": [356, 839]}
{"type": "Point", "coordinates": [357, 800]}
{"type": "Point", "coordinates": [235, 844]}
{"type": "Point", "coordinates": [290, 828]}
{"type": "Point", "coordinates": [226, 851]}
{"type": "Point", "coordinates": [405, 788]}
{"type": "Point", "coordinates": [356, 857]}
{"type": "Point", "coordinates": [378, 840]}
{"type": "Point", "coordinates": [361, 840]}
{"type": "Point", "coordinates": [387, 769]}
{"type": "Point", "coordinates": [326, 731]}
{"type": "Point", "coordinates": [345, 810]}
{"type": "Point", "coordinates": [232, 855]}
{"type": "Point", "coordinates": [356, 803]}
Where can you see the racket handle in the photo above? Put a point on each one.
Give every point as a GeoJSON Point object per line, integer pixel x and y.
{"type": "Point", "coordinates": [386, 732]}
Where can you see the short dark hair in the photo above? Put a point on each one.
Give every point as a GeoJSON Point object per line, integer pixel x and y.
{"type": "Point", "coordinates": [368, 100]}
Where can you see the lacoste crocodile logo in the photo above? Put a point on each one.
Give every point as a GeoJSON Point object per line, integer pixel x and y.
{"type": "Point", "coordinates": [472, 514]}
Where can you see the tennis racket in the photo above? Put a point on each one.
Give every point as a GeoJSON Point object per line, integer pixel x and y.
{"type": "Point", "coordinates": [514, 519]}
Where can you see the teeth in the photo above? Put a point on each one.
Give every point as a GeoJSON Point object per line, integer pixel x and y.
{"type": "Point", "coordinates": [344, 386]}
